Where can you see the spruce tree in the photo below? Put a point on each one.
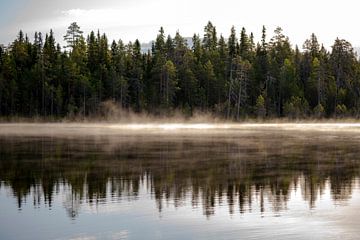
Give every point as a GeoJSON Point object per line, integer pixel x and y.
{"type": "Point", "coordinates": [73, 34]}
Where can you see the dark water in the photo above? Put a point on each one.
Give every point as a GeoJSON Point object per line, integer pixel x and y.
{"type": "Point", "coordinates": [230, 183]}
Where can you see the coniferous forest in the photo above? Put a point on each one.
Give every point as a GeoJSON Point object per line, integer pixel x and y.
{"type": "Point", "coordinates": [232, 76]}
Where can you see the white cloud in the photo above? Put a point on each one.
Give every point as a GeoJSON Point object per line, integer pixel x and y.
{"type": "Point", "coordinates": [141, 19]}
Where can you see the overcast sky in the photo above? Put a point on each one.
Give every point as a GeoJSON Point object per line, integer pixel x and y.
{"type": "Point", "coordinates": [131, 19]}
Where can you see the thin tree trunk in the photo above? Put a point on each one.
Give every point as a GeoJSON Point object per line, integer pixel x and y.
{"type": "Point", "coordinates": [43, 87]}
{"type": "Point", "coordinates": [167, 89]}
{"type": "Point", "coordinates": [84, 110]}
{"type": "Point", "coordinates": [52, 102]}
{"type": "Point", "coordinates": [121, 94]}
{"type": "Point", "coordinates": [318, 90]}
{"type": "Point", "coordinates": [0, 102]}
{"type": "Point", "coordinates": [238, 103]}
{"type": "Point", "coordinates": [230, 82]}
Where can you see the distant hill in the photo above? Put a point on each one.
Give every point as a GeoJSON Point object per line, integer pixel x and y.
{"type": "Point", "coordinates": [145, 47]}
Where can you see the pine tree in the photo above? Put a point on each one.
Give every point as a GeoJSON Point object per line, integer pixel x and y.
{"type": "Point", "coordinates": [210, 37]}
{"type": "Point", "coordinates": [168, 84]}
{"type": "Point", "coordinates": [232, 43]}
{"type": "Point", "coordinates": [342, 60]}
{"type": "Point", "coordinates": [312, 46]}
{"type": "Point", "coordinates": [245, 46]}
{"type": "Point", "coordinates": [188, 94]}
{"type": "Point", "coordinates": [208, 84]}
{"type": "Point", "coordinates": [118, 68]}
{"type": "Point", "coordinates": [73, 34]}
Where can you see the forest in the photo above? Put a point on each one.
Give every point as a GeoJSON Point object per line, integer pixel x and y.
{"type": "Point", "coordinates": [230, 77]}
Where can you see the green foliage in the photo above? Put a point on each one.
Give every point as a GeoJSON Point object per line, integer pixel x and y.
{"type": "Point", "coordinates": [296, 107]}
{"type": "Point", "coordinates": [260, 107]}
{"type": "Point", "coordinates": [231, 78]}
{"type": "Point", "coordinates": [319, 111]}
{"type": "Point", "coordinates": [341, 110]}
{"type": "Point", "coordinates": [314, 84]}
{"type": "Point", "coordinates": [168, 84]}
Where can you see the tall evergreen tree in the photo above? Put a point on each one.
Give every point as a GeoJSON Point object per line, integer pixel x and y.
{"type": "Point", "coordinates": [73, 34]}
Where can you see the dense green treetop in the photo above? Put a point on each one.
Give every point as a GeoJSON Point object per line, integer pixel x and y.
{"type": "Point", "coordinates": [230, 76]}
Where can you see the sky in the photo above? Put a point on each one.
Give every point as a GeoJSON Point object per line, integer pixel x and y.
{"type": "Point", "coordinates": [141, 19]}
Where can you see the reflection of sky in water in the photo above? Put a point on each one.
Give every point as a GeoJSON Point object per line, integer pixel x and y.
{"type": "Point", "coordinates": [139, 219]}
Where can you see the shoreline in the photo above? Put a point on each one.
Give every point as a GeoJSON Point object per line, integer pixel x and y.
{"type": "Point", "coordinates": [202, 118]}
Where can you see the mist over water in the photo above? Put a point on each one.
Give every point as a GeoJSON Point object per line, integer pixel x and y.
{"type": "Point", "coordinates": [192, 181]}
{"type": "Point", "coordinates": [159, 127]}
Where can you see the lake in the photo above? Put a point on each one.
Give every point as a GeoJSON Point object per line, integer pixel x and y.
{"type": "Point", "coordinates": [179, 181]}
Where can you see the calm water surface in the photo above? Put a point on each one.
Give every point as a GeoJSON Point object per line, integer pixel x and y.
{"type": "Point", "coordinates": [77, 181]}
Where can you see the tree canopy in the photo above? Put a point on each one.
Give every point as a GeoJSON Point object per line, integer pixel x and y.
{"type": "Point", "coordinates": [232, 77]}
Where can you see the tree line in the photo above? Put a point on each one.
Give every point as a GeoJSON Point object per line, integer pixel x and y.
{"type": "Point", "coordinates": [231, 77]}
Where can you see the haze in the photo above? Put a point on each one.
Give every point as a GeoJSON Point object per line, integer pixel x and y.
{"type": "Point", "coordinates": [141, 19]}
{"type": "Point", "coordinates": [172, 128]}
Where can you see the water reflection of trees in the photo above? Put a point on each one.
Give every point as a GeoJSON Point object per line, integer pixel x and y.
{"type": "Point", "coordinates": [208, 172]}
